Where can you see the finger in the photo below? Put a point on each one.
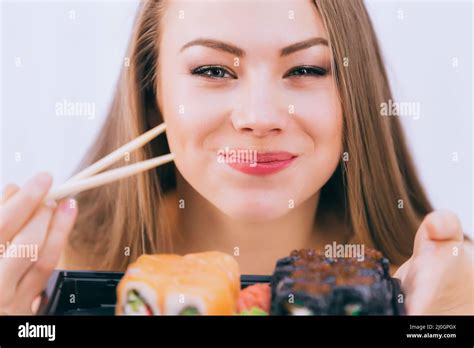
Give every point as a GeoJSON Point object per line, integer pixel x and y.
{"type": "Point", "coordinates": [437, 226]}
{"type": "Point", "coordinates": [444, 225]}
{"type": "Point", "coordinates": [35, 280]}
{"type": "Point", "coordinates": [35, 304]}
{"type": "Point", "coordinates": [19, 208]}
{"type": "Point", "coordinates": [8, 191]}
{"type": "Point", "coordinates": [24, 248]}
{"type": "Point", "coordinates": [421, 296]}
{"type": "Point", "coordinates": [402, 271]}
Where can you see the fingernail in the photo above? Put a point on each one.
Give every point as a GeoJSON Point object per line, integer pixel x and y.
{"type": "Point", "coordinates": [51, 203]}
{"type": "Point", "coordinates": [35, 304]}
{"type": "Point", "coordinates": [68, 205]}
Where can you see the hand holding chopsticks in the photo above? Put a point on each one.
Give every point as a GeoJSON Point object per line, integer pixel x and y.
{"type": "Point", "coordinates": [86, 179]}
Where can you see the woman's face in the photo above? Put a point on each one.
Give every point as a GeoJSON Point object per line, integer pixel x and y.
{"type": "Point", "coordinates": [250, 104]}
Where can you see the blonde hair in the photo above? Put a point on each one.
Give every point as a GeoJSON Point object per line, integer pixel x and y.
{"type": "Point", "coordinates": [365, 190]}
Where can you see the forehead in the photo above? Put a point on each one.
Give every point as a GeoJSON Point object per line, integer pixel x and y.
{"type": "Point", "coordinates": [246, 23]}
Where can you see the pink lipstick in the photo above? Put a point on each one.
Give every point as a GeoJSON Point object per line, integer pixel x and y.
{"type": "Point", "coordinates": [267, 163]}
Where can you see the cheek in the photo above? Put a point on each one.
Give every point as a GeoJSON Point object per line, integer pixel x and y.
{"type": "Point", "coordinates": [193, 116]}
{"type": "Point", "coordinates": [321, 115]}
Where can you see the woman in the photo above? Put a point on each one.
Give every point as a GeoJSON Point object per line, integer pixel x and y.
{"type": "Point", "coordinates": [298, 83]}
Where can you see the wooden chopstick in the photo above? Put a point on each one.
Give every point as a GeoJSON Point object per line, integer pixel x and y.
{"type": "Point", "coordinates": [86, 179]}
{"type": "Point", "coordinates": [116, 155]}
{"type": "Point", "coordinates": [77, 186]}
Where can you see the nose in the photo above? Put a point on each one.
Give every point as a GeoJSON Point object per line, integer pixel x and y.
{"type": "Point", "coordinates": [260, 112]}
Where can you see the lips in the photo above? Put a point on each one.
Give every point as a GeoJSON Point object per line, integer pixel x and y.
{"type": "Point", "coordinates": [266, 163]}
{"type": "Point", "coordinates": [273, 157]}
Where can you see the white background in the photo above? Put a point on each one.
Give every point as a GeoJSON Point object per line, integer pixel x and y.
{"type": "Point", "coordinates": [76, 56]}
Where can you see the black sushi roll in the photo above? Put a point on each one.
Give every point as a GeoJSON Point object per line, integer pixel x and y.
{"type": "Point", "coordinates": [308, 283]}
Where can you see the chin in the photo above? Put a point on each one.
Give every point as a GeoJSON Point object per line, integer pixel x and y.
{"type": "Point", "coordinates": [254, 209]}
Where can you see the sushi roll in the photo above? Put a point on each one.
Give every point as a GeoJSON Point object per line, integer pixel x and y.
{"type": "Point", "coordinates": [193, 284]}
{"type": "Point", "coordinates": [224, 262]}
{"type": "Point", "coordinates": [308, 283]}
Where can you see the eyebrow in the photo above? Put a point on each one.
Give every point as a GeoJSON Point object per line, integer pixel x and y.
{"type": "Point", "coordinates": [303, 45]}
{"type": "Point", "coordinates": [217, 45]}
{"type": "Point", "coordinates": [236, 51]}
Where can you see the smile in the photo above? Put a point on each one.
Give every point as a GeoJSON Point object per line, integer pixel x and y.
{"type": "Point", "coordinates": [266, 163]}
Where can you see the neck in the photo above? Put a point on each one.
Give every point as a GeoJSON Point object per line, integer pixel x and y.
{"type": "Point", "coordinates": [256, 246]}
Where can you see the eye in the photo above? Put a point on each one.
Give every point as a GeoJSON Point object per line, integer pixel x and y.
{"type": "Point", "coordinates": [306, 70]}
{"type": "Point", "coordinates": [213, 72]}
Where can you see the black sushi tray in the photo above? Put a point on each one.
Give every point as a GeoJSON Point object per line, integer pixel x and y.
{"type": "Point", "coordinates": [94, 293]}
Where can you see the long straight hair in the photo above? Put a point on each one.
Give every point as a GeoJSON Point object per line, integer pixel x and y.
{"type": "Point", "coordinates": [375, 189]}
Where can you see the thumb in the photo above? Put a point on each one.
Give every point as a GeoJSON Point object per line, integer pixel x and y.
{"type": "Point", "coordinates": [438, 226]}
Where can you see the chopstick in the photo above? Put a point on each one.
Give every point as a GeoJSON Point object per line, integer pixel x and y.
{"type": "Point", "coordinates": [86, 179]}
{"type": "Point", "coordinates": [116, 155]}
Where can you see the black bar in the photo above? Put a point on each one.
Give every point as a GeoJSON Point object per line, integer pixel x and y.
{"type": "Point", "coordinates": [240, 329]}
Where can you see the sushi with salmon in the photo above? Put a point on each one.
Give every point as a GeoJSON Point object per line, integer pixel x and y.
{"type": "Point", "coordinates": [304, 283]}
{"type": "Point", "coordinates": [194, 284]}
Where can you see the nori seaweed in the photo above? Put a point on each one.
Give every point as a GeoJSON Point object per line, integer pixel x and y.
{"type": "Point", "coordinates": [325, 286]}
